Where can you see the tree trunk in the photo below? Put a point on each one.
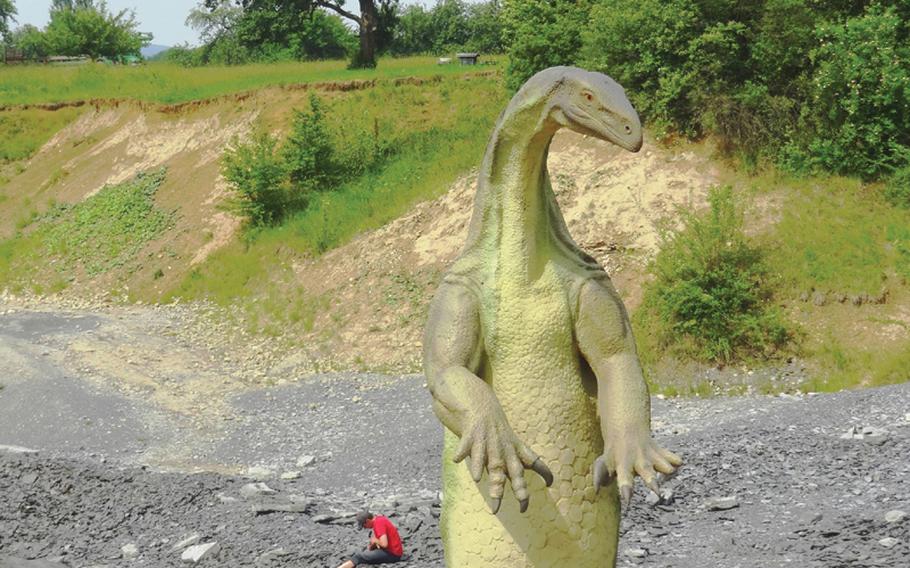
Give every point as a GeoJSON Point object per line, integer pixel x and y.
{"type": "Point", "coordinates": [369, 21]}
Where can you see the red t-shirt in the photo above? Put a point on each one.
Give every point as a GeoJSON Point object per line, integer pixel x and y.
{"type": "Point", "coordinates": [383, 526]}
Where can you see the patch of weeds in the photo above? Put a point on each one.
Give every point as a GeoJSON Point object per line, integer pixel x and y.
{"type": "Point", "coordinates": [110, 228]}
{"type": "Point", "coordinates": [711, 296]}
{"type": "Point", "coordinates": [24, 131]}
{"type": "Point", "coordinates": [836, 234]}
{"type": "Point", "coordinates": [104, 232]}
{"type": "Point", "coordinates": [841, 367]}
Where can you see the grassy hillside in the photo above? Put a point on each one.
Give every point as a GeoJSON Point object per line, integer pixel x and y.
{"type": "Point", "coordinates": [337, 280]}
{"type": "Point", "coordinates": [169, 83]}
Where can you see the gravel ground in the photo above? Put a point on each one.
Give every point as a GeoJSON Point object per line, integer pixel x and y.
{"type": "Point", "coordinates": [810, 481]}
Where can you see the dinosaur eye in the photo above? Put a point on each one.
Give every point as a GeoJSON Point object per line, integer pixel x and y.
{"type": "Point", "coordinates": [589, 96]}
{"type": "Point", "coordinates": [628, 129]}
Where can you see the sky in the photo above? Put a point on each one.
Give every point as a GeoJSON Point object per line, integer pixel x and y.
{"type": "Point", "coordinates": [162, 18]}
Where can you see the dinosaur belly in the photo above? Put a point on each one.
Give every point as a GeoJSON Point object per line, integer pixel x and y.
{"type": "Point", "coordinates": [535, 372]}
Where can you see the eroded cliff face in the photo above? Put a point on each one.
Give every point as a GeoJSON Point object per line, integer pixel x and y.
{"type": "Point", "coordinates": [374, 290]}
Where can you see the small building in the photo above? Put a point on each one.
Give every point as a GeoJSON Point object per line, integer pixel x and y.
{"type": "Point", "coordinates": [69, 59]}
{"type": "Point", "coordinates": [467, 58]}
{"type": "Point", "coordinates": [12, 56]}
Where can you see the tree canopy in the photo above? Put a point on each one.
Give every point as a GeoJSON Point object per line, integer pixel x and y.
{"type": "Point", "coordinates": [7, 12]}
{"type": "Point", "coordinates": [87, 27]}
{"type": "Point", "coordinates": [368, 21]}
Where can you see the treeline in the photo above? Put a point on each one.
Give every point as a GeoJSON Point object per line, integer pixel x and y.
{"type": "Point", "coordinates": [273, 30]}
{"type": "Point", "coordinates": [76, 27]}
{"type": "Point", "coordinates": [810, 85]}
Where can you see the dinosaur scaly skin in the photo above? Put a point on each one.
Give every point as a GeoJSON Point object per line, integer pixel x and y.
{"type": "Point", "coordinates": [530, 358]}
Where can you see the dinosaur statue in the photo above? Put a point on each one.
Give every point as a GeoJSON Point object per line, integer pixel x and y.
{"type": "Point", "coordinates": [529, 355]}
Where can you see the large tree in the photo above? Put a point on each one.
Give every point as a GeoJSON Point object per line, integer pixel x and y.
{"type": "Point", "coordinates": [7, 11]}
{"type": "Point", "coordinates": [86, 27]}
{"type": "Point", "coordinates": [368, 22]}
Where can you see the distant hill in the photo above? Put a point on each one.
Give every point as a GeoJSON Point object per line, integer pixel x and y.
{"type": "Point", "coordinates": [152, 50]}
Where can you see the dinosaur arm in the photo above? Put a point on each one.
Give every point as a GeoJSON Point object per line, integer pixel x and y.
{"type": "Point", "coordinates": [605, 340]}
{"type": "Point", "coordinates": [466, 404]}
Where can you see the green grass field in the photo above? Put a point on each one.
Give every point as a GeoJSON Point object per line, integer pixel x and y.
{"type": "Point", "coordinates": [169, 83]}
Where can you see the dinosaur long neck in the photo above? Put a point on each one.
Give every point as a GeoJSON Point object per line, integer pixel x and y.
{"type": "Point", "coordinates": [517, 226]}
{"type": "Point", "coordinates": [518, 187]}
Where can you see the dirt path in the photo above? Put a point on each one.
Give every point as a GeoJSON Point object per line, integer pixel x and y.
{"type": "Point", "coordinates": [123, 404]}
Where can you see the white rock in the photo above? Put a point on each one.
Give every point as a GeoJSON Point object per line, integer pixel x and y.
{"type": "Point", "coordinates": [16, 449]}
{"type": "Point", "coordinates": [721, 503]}
{"type": "Point", "coordinates": [256, 489]}
{"type": "Point", "coordinates": [259, 472]}
{"type": "Point", "coordinates": [195, 554]}
{"type": "Point", "coordinates": [187, 541]}
{"type": "Point", "coordinates": [129, 551]}
{"type": "Point", "coordinates": [636, 552]}
{"type": "Point", "coordinates": [888, 542]}
{"type": "Point", "coordinates": [306, 461]}
{"type": "Point", "coordinates": [895, 516]}
{"type": "Point", "coordinates": [288, 475]}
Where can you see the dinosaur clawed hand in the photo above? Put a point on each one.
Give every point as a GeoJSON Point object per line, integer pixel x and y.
{"type": "Point", "coordinates": [489, 443]}
{"type": "Point", "coordinates": [626, 456]}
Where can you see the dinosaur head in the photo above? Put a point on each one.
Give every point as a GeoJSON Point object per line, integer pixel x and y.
{"type": "Point", "coordinates": [596, 105]}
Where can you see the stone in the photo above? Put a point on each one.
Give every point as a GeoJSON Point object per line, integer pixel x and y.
{"type": "Point", "coordinates": [265, 508]}
{"type": "Point", "coordinates": [819, 298]}
{"type": "Point", "coordinates": [874, 436]}
{"type": "Point", "coordinates": [306, 461]}
{"type": "Point", "coordinates": [16, 449]}
{"type": "Point", "coordinates": [290, 475]}
{"type": "Point", "coordinates": [260, 472]}
{"type": "Point", "coordinates": [895, 516]}
{"type": "Point", "coordinates": [186, 541]}
{"type": "Point", "coordinates": [199, 552]}
{"type": "Point", "coordinates": [129, 551]}
{"type": "Point", "coordinates": [251, 490]}
{"type": "Point", "coordinates": [888, 542]}
{"type": "Point", "coordinates": [721, 503]}
{"type": "Point", "coordinates": [270, 556]}
{"type": "Point", "coordinates": [636, 552]}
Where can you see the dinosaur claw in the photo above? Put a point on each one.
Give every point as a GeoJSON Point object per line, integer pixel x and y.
{"type": "Point", "coordinates": [495, 503]}
{"type": "Point", "coordinates": [652, 485]}
{"type": "Point", "coordinates": [626, 492]}
{"type": "Point", "coordinates": [543, 471]}
{"type": "Point", "coordinates": [523, 505]}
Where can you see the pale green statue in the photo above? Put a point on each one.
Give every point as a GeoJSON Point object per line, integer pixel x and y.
{"type": "Point", "coordinates": [530, 358]}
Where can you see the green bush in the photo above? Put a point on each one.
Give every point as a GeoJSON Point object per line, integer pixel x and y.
{"type": "Point", "coordinates": [308, 152]}
{"type": "Point", "coordinates": [897, 190]}
{"type": "Point", "coordinates": [710, 298]}
{"type": "Point", "coordinates": [276, 179]}
{"type": "Point", "coordinates": [257, 172]}
{"type": "Point", "coordinates": [861, 95]}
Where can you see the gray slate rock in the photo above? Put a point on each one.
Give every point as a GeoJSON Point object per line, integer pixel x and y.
{"type": "Point", "coordinates": [186, 541]}
{"type": "Point", "coordinates": [199, 552]}
{"type": "Point", "coordinates": [252, 490]}
{"type": "Point", "coordinates": [721, 503]}
{"type": "Point", "coordinates": [129, 551]}
{"type": "Point", "coordinates": [895, 516]}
